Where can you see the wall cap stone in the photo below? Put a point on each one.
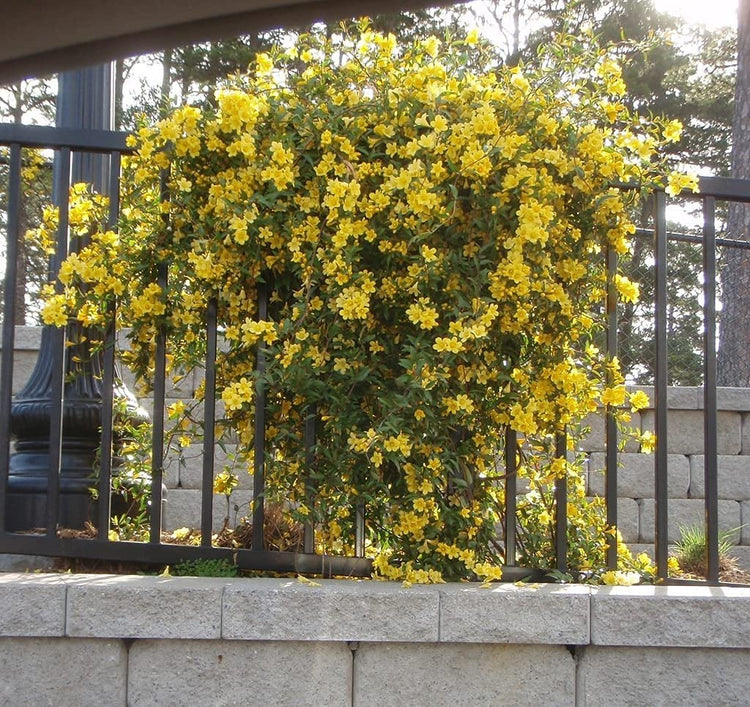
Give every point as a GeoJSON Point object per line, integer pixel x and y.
{"type": "Point", "coordinates": [263, 609]}
{"type": "Point", "coordinates": [677, 616]}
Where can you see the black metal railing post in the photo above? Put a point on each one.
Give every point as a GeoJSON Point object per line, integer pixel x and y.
{"type": "Point", "coordinates": [209, 424]}
{"type": "Point", "coordinates": [9, 318]}
{"type": "Point", "coordinates": [259, 448]}
{"type": "Point", "coordinates": [311, 419]}
{"type": "Point", "coordinates": [660, 387]}
{"type": "Point", "coordinates": [709, 389]}
{"type": "Point", "coordinates": [511, 487]}
{"type": "Point", "coordinates": [610, 490]}
{"type": "Point", "coordinates": [561, 505]}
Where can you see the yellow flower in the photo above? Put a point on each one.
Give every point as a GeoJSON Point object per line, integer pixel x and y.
{"type": "Point", "coordinates": [423, 314]}
{"type": "Point", "coordinates": [225, 482]}
{"type": "Point", "coordinates": [448, 344]}
{"type": "Point", "coordinates": [264, 63]}
{"type": "Point", "coordinates": [54, 312]}
{"type": "Point", "coordinates": [638, 401]}
{"type": "Point", "coordinates": [620, 578]}
{"type": "Point", "coordinates": [672, 131]}
{"type": "Point", "coordinates": [614, 396]}
{"type": "Point", "coordinates": [628, 290]}
{"type": "Point", "coordinates": [472, 37]}
{"type": "Point", "coordinates": [648, 442]}
{"type": "Point", "coordinates": [678, 182]}
{"type": "Point", "coordinates": [176, 409]}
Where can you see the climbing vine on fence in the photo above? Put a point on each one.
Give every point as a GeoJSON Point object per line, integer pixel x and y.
{"type": "Point", "coordinates": [431, 229]}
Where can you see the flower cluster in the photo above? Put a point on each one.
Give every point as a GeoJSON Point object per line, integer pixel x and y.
{"type": "Point", "coordinates": [431, 232]}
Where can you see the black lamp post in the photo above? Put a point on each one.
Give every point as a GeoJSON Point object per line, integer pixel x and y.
{"type": "Point", "coordinates": [84, 102]}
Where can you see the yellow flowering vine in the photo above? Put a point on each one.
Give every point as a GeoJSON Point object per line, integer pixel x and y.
{"type": "Point", "coordinates": [431, 230]}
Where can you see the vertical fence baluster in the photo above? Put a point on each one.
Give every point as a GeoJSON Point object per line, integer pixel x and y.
{"type": "Point", "coordinates": [610, 491]}
{"type": "Point", "coordinates": [209, 425]}
{"type": "Point", "coordinates": [511, 486]}
{"type": "Point", "coordinates": [108, 373]}
{"type": "Point", "coordinates": [9, 318]}
{"type": "Point", "coordinates": [359, 529]}
{"type": "Point", "coordinates": [259, 472]}
{"type": "Point", "coordinates": [160, 383]}
{"type": "Point", "coordinates": [310, 435]}
{"type": "Point", "coordinates": [58, 336]}
{"type": "Point", "coordinates": [157, 441]}
{"type": "Point", "coordinates": [660, 388]}
{"type": "Point", "coordinates": [561, 506]}
{"type": "Point", "coordinates": [709, 388]}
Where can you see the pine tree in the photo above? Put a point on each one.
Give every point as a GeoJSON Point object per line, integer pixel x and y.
{"type": "Point", "coordinates": [734, 347]}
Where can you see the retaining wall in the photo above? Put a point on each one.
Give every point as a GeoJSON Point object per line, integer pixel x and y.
{"type": "Point", "coordinates": [116, 640]}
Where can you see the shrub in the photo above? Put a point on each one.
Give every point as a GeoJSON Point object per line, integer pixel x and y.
{"type": "Point", "coordinates": [431, 230]}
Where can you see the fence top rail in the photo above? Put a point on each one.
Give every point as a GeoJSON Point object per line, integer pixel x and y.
{"type": "Point", "coordinates": [43, 136]}
{"type": "Point", "coordinates": [721, 188]}
{"type": "Point", "coordinates": [89, 140]}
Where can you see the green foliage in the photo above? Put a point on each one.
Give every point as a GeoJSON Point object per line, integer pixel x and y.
{"type": "Point", "coordinates": [205, 568]}
{"type": "Point", "coordinates": [131, 478]}
{"type": "Point", "coordinates": [691, 550]}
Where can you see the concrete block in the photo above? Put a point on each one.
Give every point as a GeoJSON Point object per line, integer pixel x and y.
{"type": "Point", "coordinates": [286, 609]}
{"type": "Point", "coordinates": [595, 440]}
{"type": "Point", "coordinates": [33, 605]}
{"type": "Point", "coordinates": [171, 473]}
{"type": "Point", "coordinates": [191, 470]}
{"type": "Point", "coordinates": [728, 399]}
{"type": "Point", "coordinates": [733, 476]}
{"type": "Point", "coordinates": [685, 431]}
{"type": "Point", "coordinates": [442, 674]}
{"type": "Point", "coordinates": [635, 475]}
{"type": "Point", "coordinates": [741, 553]}
{"type": "Point", "coordinates": [648, 676]}
{"type": "Point", "coordinates": [24, 363]}
{"type": "Point", "coordinates": [25, 353]}
{"type": "Point", "coordinates": [144, 607]}
{"type": "Point", "coordinates": [183, 508]}
{"type": "Point", "coordinates": [509, 614]}
{"type": "Point", "coordinates": [671, 616]}
{"type": "Point", "coordinates": [686, 513]}
{"type": "Point", "coordinates": [746, 433]}
{"type": "Point", "coordinates": [628, 519]}
{"type": "Point", "coordinates": [678, 397]}
{"type": "Point", "coordinates": [10, 562]}
{"type": "Point", "coordinates": [63, 672]}
{"type": "Point", "coordinates": [745, 519]}
{"type": "Point", "coordinates": [27, 338]}
{"type": "Point", "coordinates": [239, 673]}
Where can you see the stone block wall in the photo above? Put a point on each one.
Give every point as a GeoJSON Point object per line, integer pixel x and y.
{"type": "Point", "coordinates": [685, 465]}
{"type": "Point", "coordinates": [118, 640]}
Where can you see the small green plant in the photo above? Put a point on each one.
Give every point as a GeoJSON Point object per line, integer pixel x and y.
{"type": "Point", "coordinates": [205, 568]}
{"type": "Point", "coordinates": [691, 550]}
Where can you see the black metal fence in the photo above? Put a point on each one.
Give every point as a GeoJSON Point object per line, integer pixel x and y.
{"type": "Point", "coordinates": [54, 474]}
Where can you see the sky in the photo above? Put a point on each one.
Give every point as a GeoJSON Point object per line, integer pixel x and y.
{"type": "Point", "coordinates": [714, 13]}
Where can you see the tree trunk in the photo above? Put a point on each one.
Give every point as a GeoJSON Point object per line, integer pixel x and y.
{"type": "Point", "coordinates": [734, 338]}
